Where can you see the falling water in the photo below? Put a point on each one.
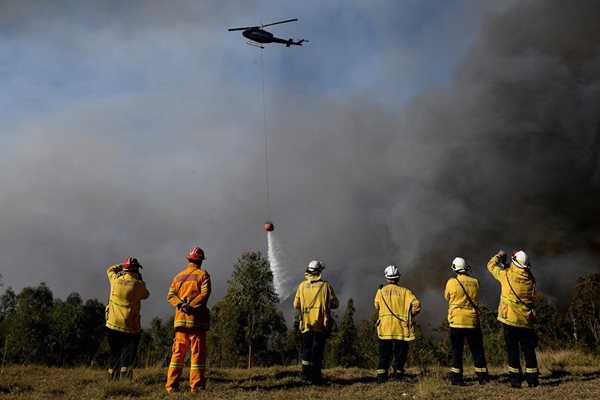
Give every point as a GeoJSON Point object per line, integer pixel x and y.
{"type": "Point", "coordinates": [277, 261]}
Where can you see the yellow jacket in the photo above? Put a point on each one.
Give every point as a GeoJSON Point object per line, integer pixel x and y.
{"type": "Point", "coordinates": [315, 299]}
{"type": "Point", "coordinates": [191, 286]}
{"type": "Point", "coordinates": [511, 310]}
{"type": "Point", "coordinates": [461, 313]}
{"type": "Point", "coordinates": [127, 289]}
{"type": "Point", "coordinates": [397, 306]}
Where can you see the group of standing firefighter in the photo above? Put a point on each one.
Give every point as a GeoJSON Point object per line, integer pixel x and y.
{"type": "Point", "coordinates": [515, 312]}
{"type": "Point", "coordinates": [397, 306]}
{"type": "Point", "coordinates": [315, 298]}
{"type": "Point", "coordinates": [188, 293]}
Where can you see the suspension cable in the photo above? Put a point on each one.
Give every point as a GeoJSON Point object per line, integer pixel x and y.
{"type": "Point", "coordinates": [262, 73]}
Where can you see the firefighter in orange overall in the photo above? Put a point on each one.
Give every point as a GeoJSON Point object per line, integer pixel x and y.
{"type": "Point", "coordinates": [127, 289]}
{"type": "Point", "coordinates": [397, 307]}
{"type": "Point", "coordinates": [189, 293]}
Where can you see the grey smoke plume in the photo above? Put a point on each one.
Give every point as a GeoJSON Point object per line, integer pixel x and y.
{"type": "Point", "coordinates": [505, 155]}
{"type": "Point", "coordinates": [512, 148]}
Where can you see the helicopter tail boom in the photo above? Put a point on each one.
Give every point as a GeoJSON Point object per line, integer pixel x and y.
{"type": "Point", "coordinates": [291, 42]}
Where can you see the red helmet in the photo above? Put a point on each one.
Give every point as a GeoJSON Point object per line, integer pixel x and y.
{"type": "Point", "coordinates": [196, 254]}
{"type": "Point", "coordinates": [131, 263]}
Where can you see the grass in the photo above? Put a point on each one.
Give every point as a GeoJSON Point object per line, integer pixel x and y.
{"type": "Point", "coordinates": [564, 374]}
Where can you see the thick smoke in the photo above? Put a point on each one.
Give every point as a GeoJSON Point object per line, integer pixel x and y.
{"type": "Point", "coordinates": [506, 156]}
{"type": "Point", "coordinates": [503, 156]}
{"type": "Point", "coordinates": [510, 151]}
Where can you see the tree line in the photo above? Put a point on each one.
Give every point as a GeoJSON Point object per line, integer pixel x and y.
{"type": "Point", "coordinates": [248, 329]}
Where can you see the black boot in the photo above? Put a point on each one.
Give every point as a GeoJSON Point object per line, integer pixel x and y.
{"type": "Point", "coordinates": [483, 377]}
{"type": "Point", "coordinates": [316, 378]}
{"type": "Point", "coordinates": [515, 379]}
{"type": "Point", "coordinates": [306, 373]}
{"type": "Point", "coordinates": [127, 373]}
{"type": "Point", "coordinates": [113, 374]}
{"type": "Point", "coordinates": [397, 375]}
{"type": "Point", "coordinates": [382, 377]}
{"type": "Point", "coordinates": [456, 379]}
{"type": "Point", "coordinates": [532, 379]}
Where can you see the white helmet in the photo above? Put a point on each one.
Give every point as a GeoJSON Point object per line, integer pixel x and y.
{"type": "Point", "coordinates": [315, 267]}
{"type": "Point", "coordinates": [460, 265]}
{"type": "Point", "coordinates": [521, 259]}
{"type": "Point", "coordinates": [391, 272]}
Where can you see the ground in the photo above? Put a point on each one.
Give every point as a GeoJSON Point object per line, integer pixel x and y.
{"type": "Point", "coordinates": [564, 375]}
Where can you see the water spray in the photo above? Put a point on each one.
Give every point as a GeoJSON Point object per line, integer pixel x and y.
{"type": "Point", "coordinates": [277, 261]}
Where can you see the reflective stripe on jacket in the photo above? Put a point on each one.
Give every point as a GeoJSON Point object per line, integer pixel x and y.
{"type": "Point", "coordinates": [124, 304]}
{"type": "Point", "coordinates": [461, 313]}
{"type": "Point", "coordinates": [192, 286]}
{"type": "Point", "coordinates": [315, 299]}
{"type": "Point", "coordinates": [511, 311]}
{"type": "Point", "coordinates": [397, 306]}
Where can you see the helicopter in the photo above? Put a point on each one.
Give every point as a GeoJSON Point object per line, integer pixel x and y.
{"type": "Point", "coordinates": [258, 35]}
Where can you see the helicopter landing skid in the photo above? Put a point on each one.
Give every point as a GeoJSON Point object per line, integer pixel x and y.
{"type": "Point", "coordinates": [254, 44]}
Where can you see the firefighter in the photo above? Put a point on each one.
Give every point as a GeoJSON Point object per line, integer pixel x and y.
{"type": "Point", "coordinates": [127, 290]}
{"type": "Point", "coordinates": [189, 293]}
{"type": "Point", "coordinates": [462, 294]}
{"type": "Point", "coordinates": [397, 307]}
{"type": "Point", "coordinates": [315, 299]}
{"type": "Point", "coordinates": [516, 314]}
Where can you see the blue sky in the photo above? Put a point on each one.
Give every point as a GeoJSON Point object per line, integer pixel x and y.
{"type": "Point", "coordinates": [394, 48]}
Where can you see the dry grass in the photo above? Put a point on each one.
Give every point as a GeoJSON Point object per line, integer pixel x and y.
{"type": "Point", "coordinates": [565, 374]}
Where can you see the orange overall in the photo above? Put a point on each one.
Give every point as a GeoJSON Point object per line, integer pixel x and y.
{"type": "Point", "coordinates": [192, 288]}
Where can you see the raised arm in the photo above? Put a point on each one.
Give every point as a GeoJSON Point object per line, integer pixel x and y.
{"type": "Point", "coordinates": [495, 264]}
{"type": "Point", "coordinates": [113, 270]}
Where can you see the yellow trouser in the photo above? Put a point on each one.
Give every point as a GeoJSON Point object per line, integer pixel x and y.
{"type": "Point", "coordinates": [192, 339]}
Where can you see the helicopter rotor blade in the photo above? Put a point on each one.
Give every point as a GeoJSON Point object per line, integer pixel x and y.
{"type": "Point", "coordinates": [280, 22]}
{"type": "Point", "coordinates": [242, 29]}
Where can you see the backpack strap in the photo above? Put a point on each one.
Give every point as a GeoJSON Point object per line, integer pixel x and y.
{"type": "Point", "coordinates": [387, 306]}
{"type": "Point", "coordinates": [314, 300]}
{"type": "Point", "coordinates": [183, 301]}
{"type": "Point", "coordinates": [467, 295]}
{"type": "Point", "coordinates": [517, 296]}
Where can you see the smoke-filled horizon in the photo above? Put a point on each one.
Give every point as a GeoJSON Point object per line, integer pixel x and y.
{"type": "Point", "coordinates": [402, 133]}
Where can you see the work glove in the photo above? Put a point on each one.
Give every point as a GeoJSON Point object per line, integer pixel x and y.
{"type": "Point", "coordinates": [502, 255]}
{"type": "Point", "coordinates": [186, 309]}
